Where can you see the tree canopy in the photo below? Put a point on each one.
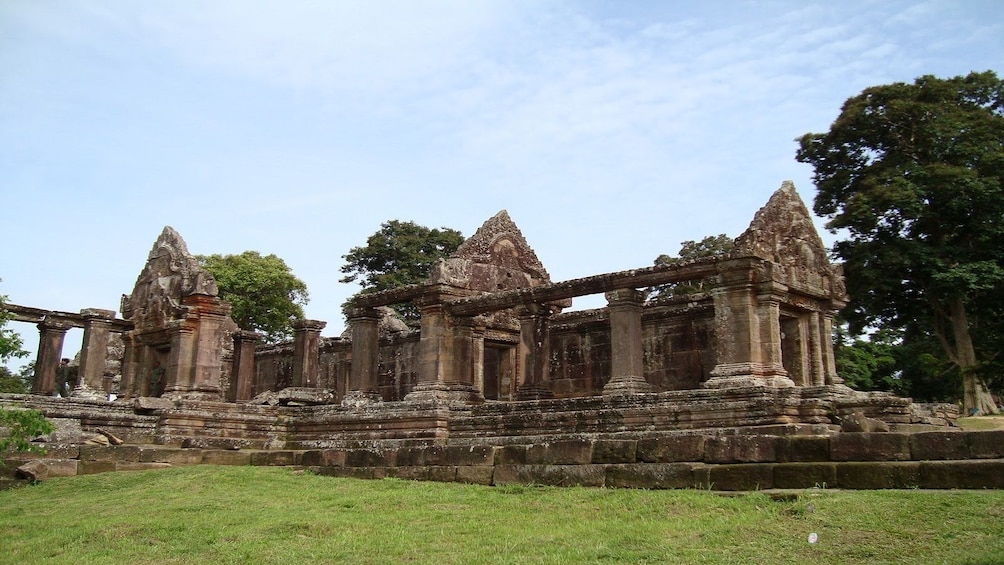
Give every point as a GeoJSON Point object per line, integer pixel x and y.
{"type": "Point", "coordinates": [398, 254]}
{"type": "Point", "coordinates": [710, 246]}
{"type": "Point", "coordinates": [10, 341]}
{"type": "Point", "coordinates": [265, 295]}
{"type": "Point", "coordinates": [913, 174]}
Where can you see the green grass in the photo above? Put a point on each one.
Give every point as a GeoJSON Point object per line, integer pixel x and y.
{"type": "Point", "coordinates": [980, 423]}
{"type": "Point", "coordinates": [209, 514]}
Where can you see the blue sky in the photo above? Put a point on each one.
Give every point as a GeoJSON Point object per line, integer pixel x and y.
{"type": "Point", "coordinates": [610, 130]}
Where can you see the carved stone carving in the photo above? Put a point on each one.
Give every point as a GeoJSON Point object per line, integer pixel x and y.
{"type": "Point", "coordinates": [171, 273]}
{"type": "Point", "coordinates": [782, 232]}
{"type": "Point", "coordinates": [497, 257]}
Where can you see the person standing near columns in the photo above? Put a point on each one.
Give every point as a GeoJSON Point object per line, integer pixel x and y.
{"type": "Point", "coordinates": [64, 378]}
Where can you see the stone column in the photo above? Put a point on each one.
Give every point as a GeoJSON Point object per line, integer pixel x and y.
{"type": "Point", "coordinates": [830, 376]}
{"type": "Point", "coordinates": [307, 352]}
{"type": "Point", "coordinates": [468, 357]}
{"type": "Point", "coordinates": [742, 326]}
{"type": "Point", "coordinates": [816, 340]}
{"type": "Point", "coordinates": [769, 319]}
{"type": "Point", "coordinates": [178, 374]}
{"type": "Point", "coordinates": [243, 369]}
{"type": "Point", "coordinates": [130, 365]}
{"type": "Point", "coordinates": [97, 326]}
{"type": "Point", "coordinates": [443, 353]}
{"type": "Point", "coordinates": [364, 372]}
{"type": "Point", "coordinates": [50, 349]}
{"type": "Point", "coordinates": [478, 355]}
{"type": "Point", "coordinates": [208, 361]}
{"type": "Point", "coordinates": [627, 364]}
{"type": "Point", "coordinates": [534, 352]}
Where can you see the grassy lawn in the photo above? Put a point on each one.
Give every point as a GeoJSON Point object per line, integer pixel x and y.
{"type": "Point", "coordinates": [209, 514]}
{"type": "Point", "coordinates": [978, 423]}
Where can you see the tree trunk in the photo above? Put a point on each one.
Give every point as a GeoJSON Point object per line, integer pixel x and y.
{"type": "Point", "coordinates": [976, 399]}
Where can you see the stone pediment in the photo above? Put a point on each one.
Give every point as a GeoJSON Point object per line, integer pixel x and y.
{"type": "Point", "coordinates": [171, 273]}
{"type": "Point", "coordinates": [497, 257]}
{"type": "Point", "coordinates": [783, 232]}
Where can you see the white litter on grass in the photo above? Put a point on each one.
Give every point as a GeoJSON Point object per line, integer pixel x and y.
{"type": "Point", "coordinates": [813, 537]}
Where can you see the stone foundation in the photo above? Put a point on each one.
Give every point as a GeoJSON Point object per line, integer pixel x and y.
{"type": "Point", "coordinates": [730, 439]}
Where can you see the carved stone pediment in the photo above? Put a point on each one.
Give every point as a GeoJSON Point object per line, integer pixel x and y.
{"type": "Point", "coordinates": [497, 257]}
{"type": "Point", "coordinates": [171, 273]}
{"type": "Point", "coordinates": [783, 232]}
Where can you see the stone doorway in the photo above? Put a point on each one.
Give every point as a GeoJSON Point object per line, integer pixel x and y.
{"type": "Point", "coordinates": [793, 349]}
{"type": "Point", "coordinates": [499, 373]}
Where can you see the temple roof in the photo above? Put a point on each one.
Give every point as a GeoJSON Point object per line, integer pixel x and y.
{"type": "Point", "coordinates": [496, 257]}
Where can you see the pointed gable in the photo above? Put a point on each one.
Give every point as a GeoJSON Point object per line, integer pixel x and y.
{"type": "Point", "coordinates": [783, 232]}
{"type": "Point", "coordinates": [171, 273]}
{"type": "Point", "coordinates": [496, 257]}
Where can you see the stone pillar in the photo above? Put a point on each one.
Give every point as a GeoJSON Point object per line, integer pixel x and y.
{"type": "Point", "coordinates": [178, 375]}
{"type": "Point", "coordinates": [243, 368]}
{"type": "Point", "coordinates": [208, 362]}
{"type": "Point", "coordinates": [478, 355]}
{"type": "Point", "coordinates": [627, 364]}
{"type": "Point", "coordinates": [816, 341]}
{"type": "Point", "coordinates": [130, 365]}
{"type": "Point", "coordinates": [306, 352]}
{"type": "Point", "coordinates": [534, 352]}
{"type": "Point", "coordinates": [97, 327]}
{"type": "Point", "coordinates": [769, 319]}
{"type": "Point", "coordinates": [444, 357]}
{"type": "Point", "coordinates": [364, 372]}
{"type": "Point", "coordinates": [50, 349]}
{"type": "Point", "coordinates": [747, 338]}
{"type": "Point", "coordinates": [830, 376]}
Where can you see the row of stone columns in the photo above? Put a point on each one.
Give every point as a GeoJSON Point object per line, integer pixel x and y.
{"type": "Point", "coordinates": [749, 339]}
{"type": "Point", "coordinates": [98, 326]}
{"type": "Point", "coordinates": [451, 352]}
{"type": "Point", "coordinates": [306, 359]}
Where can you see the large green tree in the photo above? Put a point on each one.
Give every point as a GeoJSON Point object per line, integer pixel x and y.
{"type": "Point", "coordinates": [690, 250]}
{"type": "Point", "coordinates": [10, 342]}
{"type": "Point", "coordinates": [913, 176]}
{"type": "Point", "coordinates": [398, 254]}
{"type": "Point", "coordinates": [265, 294]}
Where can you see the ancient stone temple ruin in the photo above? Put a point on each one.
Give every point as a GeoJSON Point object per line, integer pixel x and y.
{"type": "Point", "coordinates": [179, 327]}
{"type": "Point", "coordinates": [730, 382]}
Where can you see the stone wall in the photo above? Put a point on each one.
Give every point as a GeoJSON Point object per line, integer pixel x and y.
{"type": "Point", "coordinates": [737, 462]}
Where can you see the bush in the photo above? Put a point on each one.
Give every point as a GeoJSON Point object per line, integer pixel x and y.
{"type": "Point", "coordinates": [21, 427]}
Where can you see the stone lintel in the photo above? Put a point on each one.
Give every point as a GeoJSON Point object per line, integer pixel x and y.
{"type": "Point", "coordinates": [246, 335]}
{"type": "Point", "coordinates": [308, 325]}
{"type": "Point", "coordinates": [90, 313]}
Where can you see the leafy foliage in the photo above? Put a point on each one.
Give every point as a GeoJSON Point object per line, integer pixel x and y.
{"type": "Point", "coordinates": [10, 342]}
{"type": "Point", "coordinates": [399, 254]}
{"type": "Point", "coordinates": [265, 295]}
{"type": "Point", "coordinates": [22, 426]}
{"type": "Point", "coordinates": [11, 383]}
{"type": "Point", "coordinates": [866, 364]}
{"type": "Point", "coordinates": [690, 250]}
{"type": "Point", "coordinates": [914, 175]}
